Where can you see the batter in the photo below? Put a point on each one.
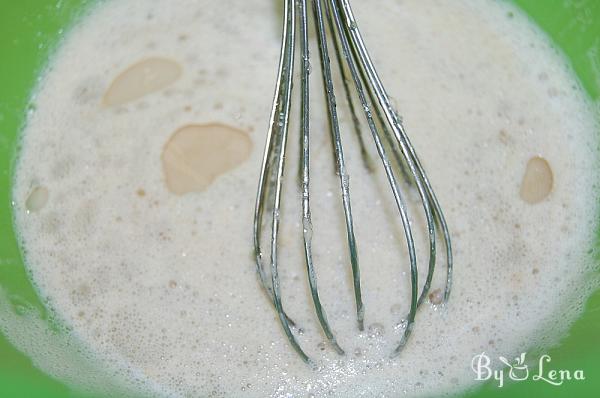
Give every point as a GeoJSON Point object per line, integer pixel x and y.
{"type": "Point", "coordinates": [134, 194]}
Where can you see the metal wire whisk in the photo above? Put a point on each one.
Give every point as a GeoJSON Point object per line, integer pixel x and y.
{"type": "Point", "coordinates": [336, 19]}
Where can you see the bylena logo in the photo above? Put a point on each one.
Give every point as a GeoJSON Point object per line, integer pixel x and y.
{"type": "Point", "coordinates": [518, 370]}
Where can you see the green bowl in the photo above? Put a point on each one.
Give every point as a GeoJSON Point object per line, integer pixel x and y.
{"type": "Point", "coordinates": [29, 32]}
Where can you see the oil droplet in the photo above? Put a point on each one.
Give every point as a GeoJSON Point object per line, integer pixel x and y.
{"type": "Point", "coordinates": [196, 155]}
{"type": "Point", "coordinates": [140, 79]}
{"type": "Point", "coordinates": [537, 180]}
{"type": "Point", "coordinates": [37, 199]}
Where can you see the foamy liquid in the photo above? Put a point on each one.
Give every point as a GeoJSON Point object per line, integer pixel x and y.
{"type": "Point", "coordinates": [159, 282]}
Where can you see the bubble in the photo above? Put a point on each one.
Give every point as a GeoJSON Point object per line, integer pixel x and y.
{"type": "Point", "coordinates": [376, 330]}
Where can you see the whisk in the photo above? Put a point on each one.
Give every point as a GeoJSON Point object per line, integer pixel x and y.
{"type": "Point", "coordinates": [335, 24]}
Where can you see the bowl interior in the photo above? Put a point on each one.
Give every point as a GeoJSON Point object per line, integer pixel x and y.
{"type": "Point", "coordinates": [29, 31]}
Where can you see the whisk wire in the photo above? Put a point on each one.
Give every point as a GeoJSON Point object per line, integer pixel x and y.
{"type": "Point", "coordinates": [344, 79]}
{"type": "Point", "coordinates": [276, 142]}
{"type": "Point", "coordinates": [305, 161]}
{"type": "Point", "coordinates": [339, 152]}
{"type": "Point", "coordinates": [400, 203]}
{"type": "Point", "coordinates": [426, 192]}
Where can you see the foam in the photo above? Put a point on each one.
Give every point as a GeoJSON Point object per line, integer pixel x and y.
{"type": "Point", "coordinates": [162, 287]}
